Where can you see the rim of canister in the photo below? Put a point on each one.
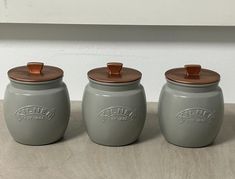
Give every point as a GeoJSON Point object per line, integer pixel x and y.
{"type": "Point", "coordinates": [35, 73]}
{"type": "Point", "coordinates": [113, 84]}
{"type": "Point", "coordinates": [114, 74]}
{"type": "Point", "coordinates": [192, 75]}
{"type": "Point", "coordinates": [192, 86]}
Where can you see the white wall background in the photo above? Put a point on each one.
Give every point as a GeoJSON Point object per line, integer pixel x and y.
{"type": "Point", "coordinates": [131, 12]}
{"type": "Point", "coordinates": [152, 50]}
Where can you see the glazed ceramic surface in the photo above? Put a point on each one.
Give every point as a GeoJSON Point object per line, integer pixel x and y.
{"type": "Point", "coordinates": [114, 113]}
{"type": "Point", "coordinates": [36, 113]}
{"type": "Point", "coordinates": [190, 115]}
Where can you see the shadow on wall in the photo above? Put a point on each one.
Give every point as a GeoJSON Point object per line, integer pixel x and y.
{"type": "Point", "coordinates": [151, 128]}
{"type": "Point", "coordinates": [76, 126]}
{"type": "Point", "coordinates": [106, 33]}
{"type": "Point", "coordinates": [227, 132]}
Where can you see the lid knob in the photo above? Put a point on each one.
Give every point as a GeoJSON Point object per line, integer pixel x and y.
{"type": "Point", "coordinates": [192, 71]}
{"type": "Point", "coordinates": [35, 68]}
{"type": "Point", "coordinates": [114, 68]}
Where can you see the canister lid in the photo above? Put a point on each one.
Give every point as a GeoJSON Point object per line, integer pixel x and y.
{"type": "Point", "coordinates": [114, 73]}
{"type": "Point", "coordinates": [192, 74]}
{"type": "Point", "coordinates": [35, 72]}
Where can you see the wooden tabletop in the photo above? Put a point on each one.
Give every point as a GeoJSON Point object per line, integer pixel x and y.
{"type": "Point", "coordinates": [151, 157]}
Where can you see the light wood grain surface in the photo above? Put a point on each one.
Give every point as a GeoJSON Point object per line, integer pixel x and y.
{"type": "Point", "coordinates": [151, 157]}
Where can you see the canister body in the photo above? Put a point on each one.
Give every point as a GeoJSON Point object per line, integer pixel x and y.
{"type": "Point", "coordinates": [114, 114]}
{"type": "Point", "coordinates": [37, 114]}
{"type": "Point", "coordinates": [190, 115]}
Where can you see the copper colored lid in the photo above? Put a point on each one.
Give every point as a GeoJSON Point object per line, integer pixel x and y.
{"type": "Point", "coordinates": [192, 74]}
{"type": "Point", "coordinates": [114, 73]}
{"type": "Point", "coordinates": [35, 72]}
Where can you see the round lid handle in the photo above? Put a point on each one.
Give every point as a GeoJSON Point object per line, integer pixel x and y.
{"type": "Point", "coordinates": [35, 68]}
{"type": "Point", "coordinates": [192, 71]}
{"type": "Point", "coordinates": [114, 68]}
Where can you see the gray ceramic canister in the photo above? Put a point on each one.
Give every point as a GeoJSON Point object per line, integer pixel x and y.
{"type": "Point", "coordinates": [36, 104]}
{"type": "Point", "coordinates": [191, 106]}
{"type": "Point", "coordinates": [114, 105]}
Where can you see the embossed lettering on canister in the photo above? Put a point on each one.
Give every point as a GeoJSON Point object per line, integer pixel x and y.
{"type": "Point", "coordinates": [191, 106]}
{"type": "Point", "coordinates": [195, 115]}
{"type": "Point", "coordinates": [34, 112]}
{"type": "Point", "coordinates": [118, 113]}
{"type": "Point", "coordinates": [114, 105]}
{"type": "Point", "coordinates": [36, 104]}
